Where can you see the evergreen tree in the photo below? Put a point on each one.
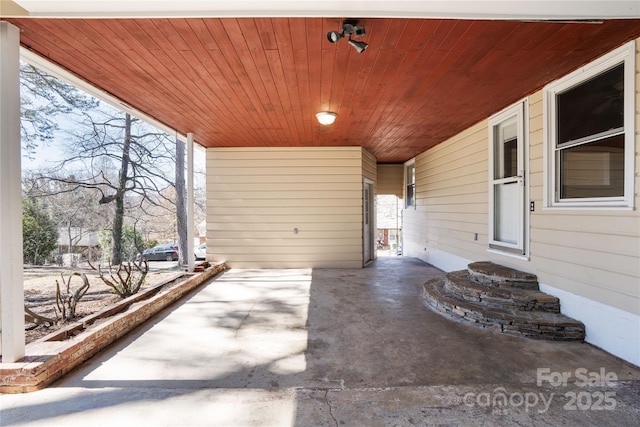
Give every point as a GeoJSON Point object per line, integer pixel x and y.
{"type": "Point", "coordinates": [39, 233]}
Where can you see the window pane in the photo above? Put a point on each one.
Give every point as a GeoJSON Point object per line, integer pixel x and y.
{"type": "Point", "coordinates": [506, 213]}
{"type": "Point", "coordinates": [506, 149]}
{"type": "Point", "coordinates": [510, 166]}
{"type": "Point", "coordinates": [410, 195]}
{"type": "Point", "coordinates": [593, 170]}
{"type": "Point", "coordinates": [411, 174]}
{"type": "Point", "coordinates": [592, 107]}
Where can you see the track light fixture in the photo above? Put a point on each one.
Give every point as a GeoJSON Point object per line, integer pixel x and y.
{"type": "Point", "coordinates": [349, 28]}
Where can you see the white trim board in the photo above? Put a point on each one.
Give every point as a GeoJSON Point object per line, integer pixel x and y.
{"type": "Point", "coordinates": [609, 328]}
{"type": "Point", "coordinates": [444, 260]}
{"type": "Point", "coordinates": [613, 330]}
{"type": "Point", "coordinates": [461, 9]}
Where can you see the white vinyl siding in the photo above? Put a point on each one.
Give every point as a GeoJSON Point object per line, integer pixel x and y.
{"type": "Point", "coordinates": [390, 180]}
{"type": "Point", "coordinates": [595, 254]}
{"type": "Point", "coordinates": [370, 168]}
{"type": "Point", "coordinates": [256, 197]}
{"type": "Point", "coordinates": [589, 258]}
{"type": "Point", "coordinates": [451, 199]}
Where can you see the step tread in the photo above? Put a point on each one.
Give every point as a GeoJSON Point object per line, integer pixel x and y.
{"type": "Point", "coordinates": [531, 324]}
{"type": "Point", "coordinates": [491, 274]}
{"type": "Point", "coordinates": [461, 284]}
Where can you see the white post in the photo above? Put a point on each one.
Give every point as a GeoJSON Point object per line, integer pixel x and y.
{"type": "Point", "coordinates": [190, 202]}
{"type": "Point", "coordinates": [12, 345]}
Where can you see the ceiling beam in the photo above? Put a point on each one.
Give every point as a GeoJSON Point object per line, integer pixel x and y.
{"type": "Point", "coordinates": [456, 9]}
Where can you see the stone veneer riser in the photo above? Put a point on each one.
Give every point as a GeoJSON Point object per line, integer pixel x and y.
{"type": "Point", "coordinates": [459, 283]}
{"type": "Point", "coordinates": [490, 274]}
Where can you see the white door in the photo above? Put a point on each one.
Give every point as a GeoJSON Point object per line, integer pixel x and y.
{"type": "Point", "coordinates": [368, 228]}
{"type": "Point", "coordinates": [507, 190]}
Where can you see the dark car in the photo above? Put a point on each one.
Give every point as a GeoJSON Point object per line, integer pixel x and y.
{"type": "Point", "coordinates": [161, 253]}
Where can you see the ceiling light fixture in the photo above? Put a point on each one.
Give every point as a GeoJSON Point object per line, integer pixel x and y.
{"type": "Point", "coordinates": [349, 28]}
{"type": "Point", "coordinates": [358, 46]}
{"type": "Point", "coordinates": [334, 36]}
{"type": "Point", "coordinates": [326, 118]}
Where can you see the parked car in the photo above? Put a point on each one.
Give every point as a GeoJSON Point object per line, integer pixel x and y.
{"type": "Point", "coordinates": [161, 253]}
{"type": "Point", "coordinates": [200, 251]}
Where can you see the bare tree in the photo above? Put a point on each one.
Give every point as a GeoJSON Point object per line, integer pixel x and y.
{"type": "Point", "coordinates": [125, 160]}
{"type": "Point", "coordinates": [43, 99]}
{"type": "Point", "coordinates": [128, 164]}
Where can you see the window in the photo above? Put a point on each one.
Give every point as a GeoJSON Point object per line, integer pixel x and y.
{"type": "Point", "coordinates": [410, 184]}
{"type": "Point", "coordinates": [590, 134]}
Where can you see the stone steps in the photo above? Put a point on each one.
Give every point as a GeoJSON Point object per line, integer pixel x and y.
{"type": "Point", "coordinates": [491, 274]}
{"type": "Point", "coordinates": [501, 299]}
{"type": "Point", "coordinates": [461, 284]}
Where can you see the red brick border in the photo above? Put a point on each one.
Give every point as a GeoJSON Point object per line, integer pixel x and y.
{"type": "Point", "coordinates": [53, 356]}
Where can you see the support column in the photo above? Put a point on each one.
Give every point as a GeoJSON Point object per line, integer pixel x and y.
{"type": "Point", "coordinates": [190, 202]}
{"type": "Point", "coordinates": [12, 343]}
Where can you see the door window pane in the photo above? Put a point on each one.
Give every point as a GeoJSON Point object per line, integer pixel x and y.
{"type": "Point", "coordinates": [506, 149]}
{"type": "Point", "coordinates": [510, 165]}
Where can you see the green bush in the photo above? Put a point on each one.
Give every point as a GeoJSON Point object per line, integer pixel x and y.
{"type": "Point", "coordinates": [39, 233]}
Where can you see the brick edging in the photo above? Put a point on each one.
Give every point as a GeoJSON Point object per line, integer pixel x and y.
{"type": "Point", "coordinates": [49, 358]}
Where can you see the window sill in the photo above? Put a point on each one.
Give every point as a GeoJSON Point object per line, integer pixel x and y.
{"type": "Point", "coordinates": [510, 255]}
{"type": "Point", "coordinates": [588, 208]}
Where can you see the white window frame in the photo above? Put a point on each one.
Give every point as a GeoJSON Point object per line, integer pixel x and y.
{"type": "Point", "coordinates": [409, 204]}
{"type": "Point", "coordinates": [625, 54]}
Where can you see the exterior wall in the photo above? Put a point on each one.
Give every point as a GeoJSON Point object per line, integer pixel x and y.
{"type": "Point", "coordinates": [257, 197]}
{"type": "Point", "coordinates": [588, 258]}
{"type": "Point", "coordinates": [370, 168]}
{"type": "Point", "coordinates": [451, 202]}
{"type": "Point", "coordinates": [391, 180]}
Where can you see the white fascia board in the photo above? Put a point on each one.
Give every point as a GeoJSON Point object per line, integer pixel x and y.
{"type": "Point", "coordinates": [55, 70]}
{"type": "Point", "coordinates": [456, 9]}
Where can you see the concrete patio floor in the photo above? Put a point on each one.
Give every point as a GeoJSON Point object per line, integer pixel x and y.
{"type": "Point", "coordinates": [329, 347]}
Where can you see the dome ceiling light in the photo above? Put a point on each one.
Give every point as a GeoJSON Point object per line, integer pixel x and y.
{"type": "Point", "coordinates": [326, 118]}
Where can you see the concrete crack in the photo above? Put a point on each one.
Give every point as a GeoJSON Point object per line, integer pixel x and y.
{"type": "Point", "coordinates": [235, 335]}
{"type": "Point", "coordinates": [326, 399]}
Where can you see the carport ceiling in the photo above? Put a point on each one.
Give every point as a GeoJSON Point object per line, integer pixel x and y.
{"type": "Point", "coordinates": [239, 82]}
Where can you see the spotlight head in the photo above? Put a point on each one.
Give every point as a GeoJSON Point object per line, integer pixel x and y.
{"type": "Point", "coordinates": [334, 36]}
{"type": "Point", "coordinates": [358, 46]}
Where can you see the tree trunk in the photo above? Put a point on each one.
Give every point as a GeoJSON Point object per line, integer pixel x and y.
{"type": "Point", "coordinates": [181, 205]}
{"type": "Point", "coordinates": [69, 236]}
{"type": "Point", "coordinates": [118, 219]}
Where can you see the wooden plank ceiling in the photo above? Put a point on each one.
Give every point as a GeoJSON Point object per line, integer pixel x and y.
{"type": "Point", "coordinates": [259, 82]}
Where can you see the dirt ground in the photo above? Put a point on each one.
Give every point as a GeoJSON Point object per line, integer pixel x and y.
{"type": "Point", "coordinates": [40, 293]}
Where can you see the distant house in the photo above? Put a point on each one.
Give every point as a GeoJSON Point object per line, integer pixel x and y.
{"type": "Point", "coordinates": [389, 221]}
{"type": "Point", "coordinates": [78, 241]}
